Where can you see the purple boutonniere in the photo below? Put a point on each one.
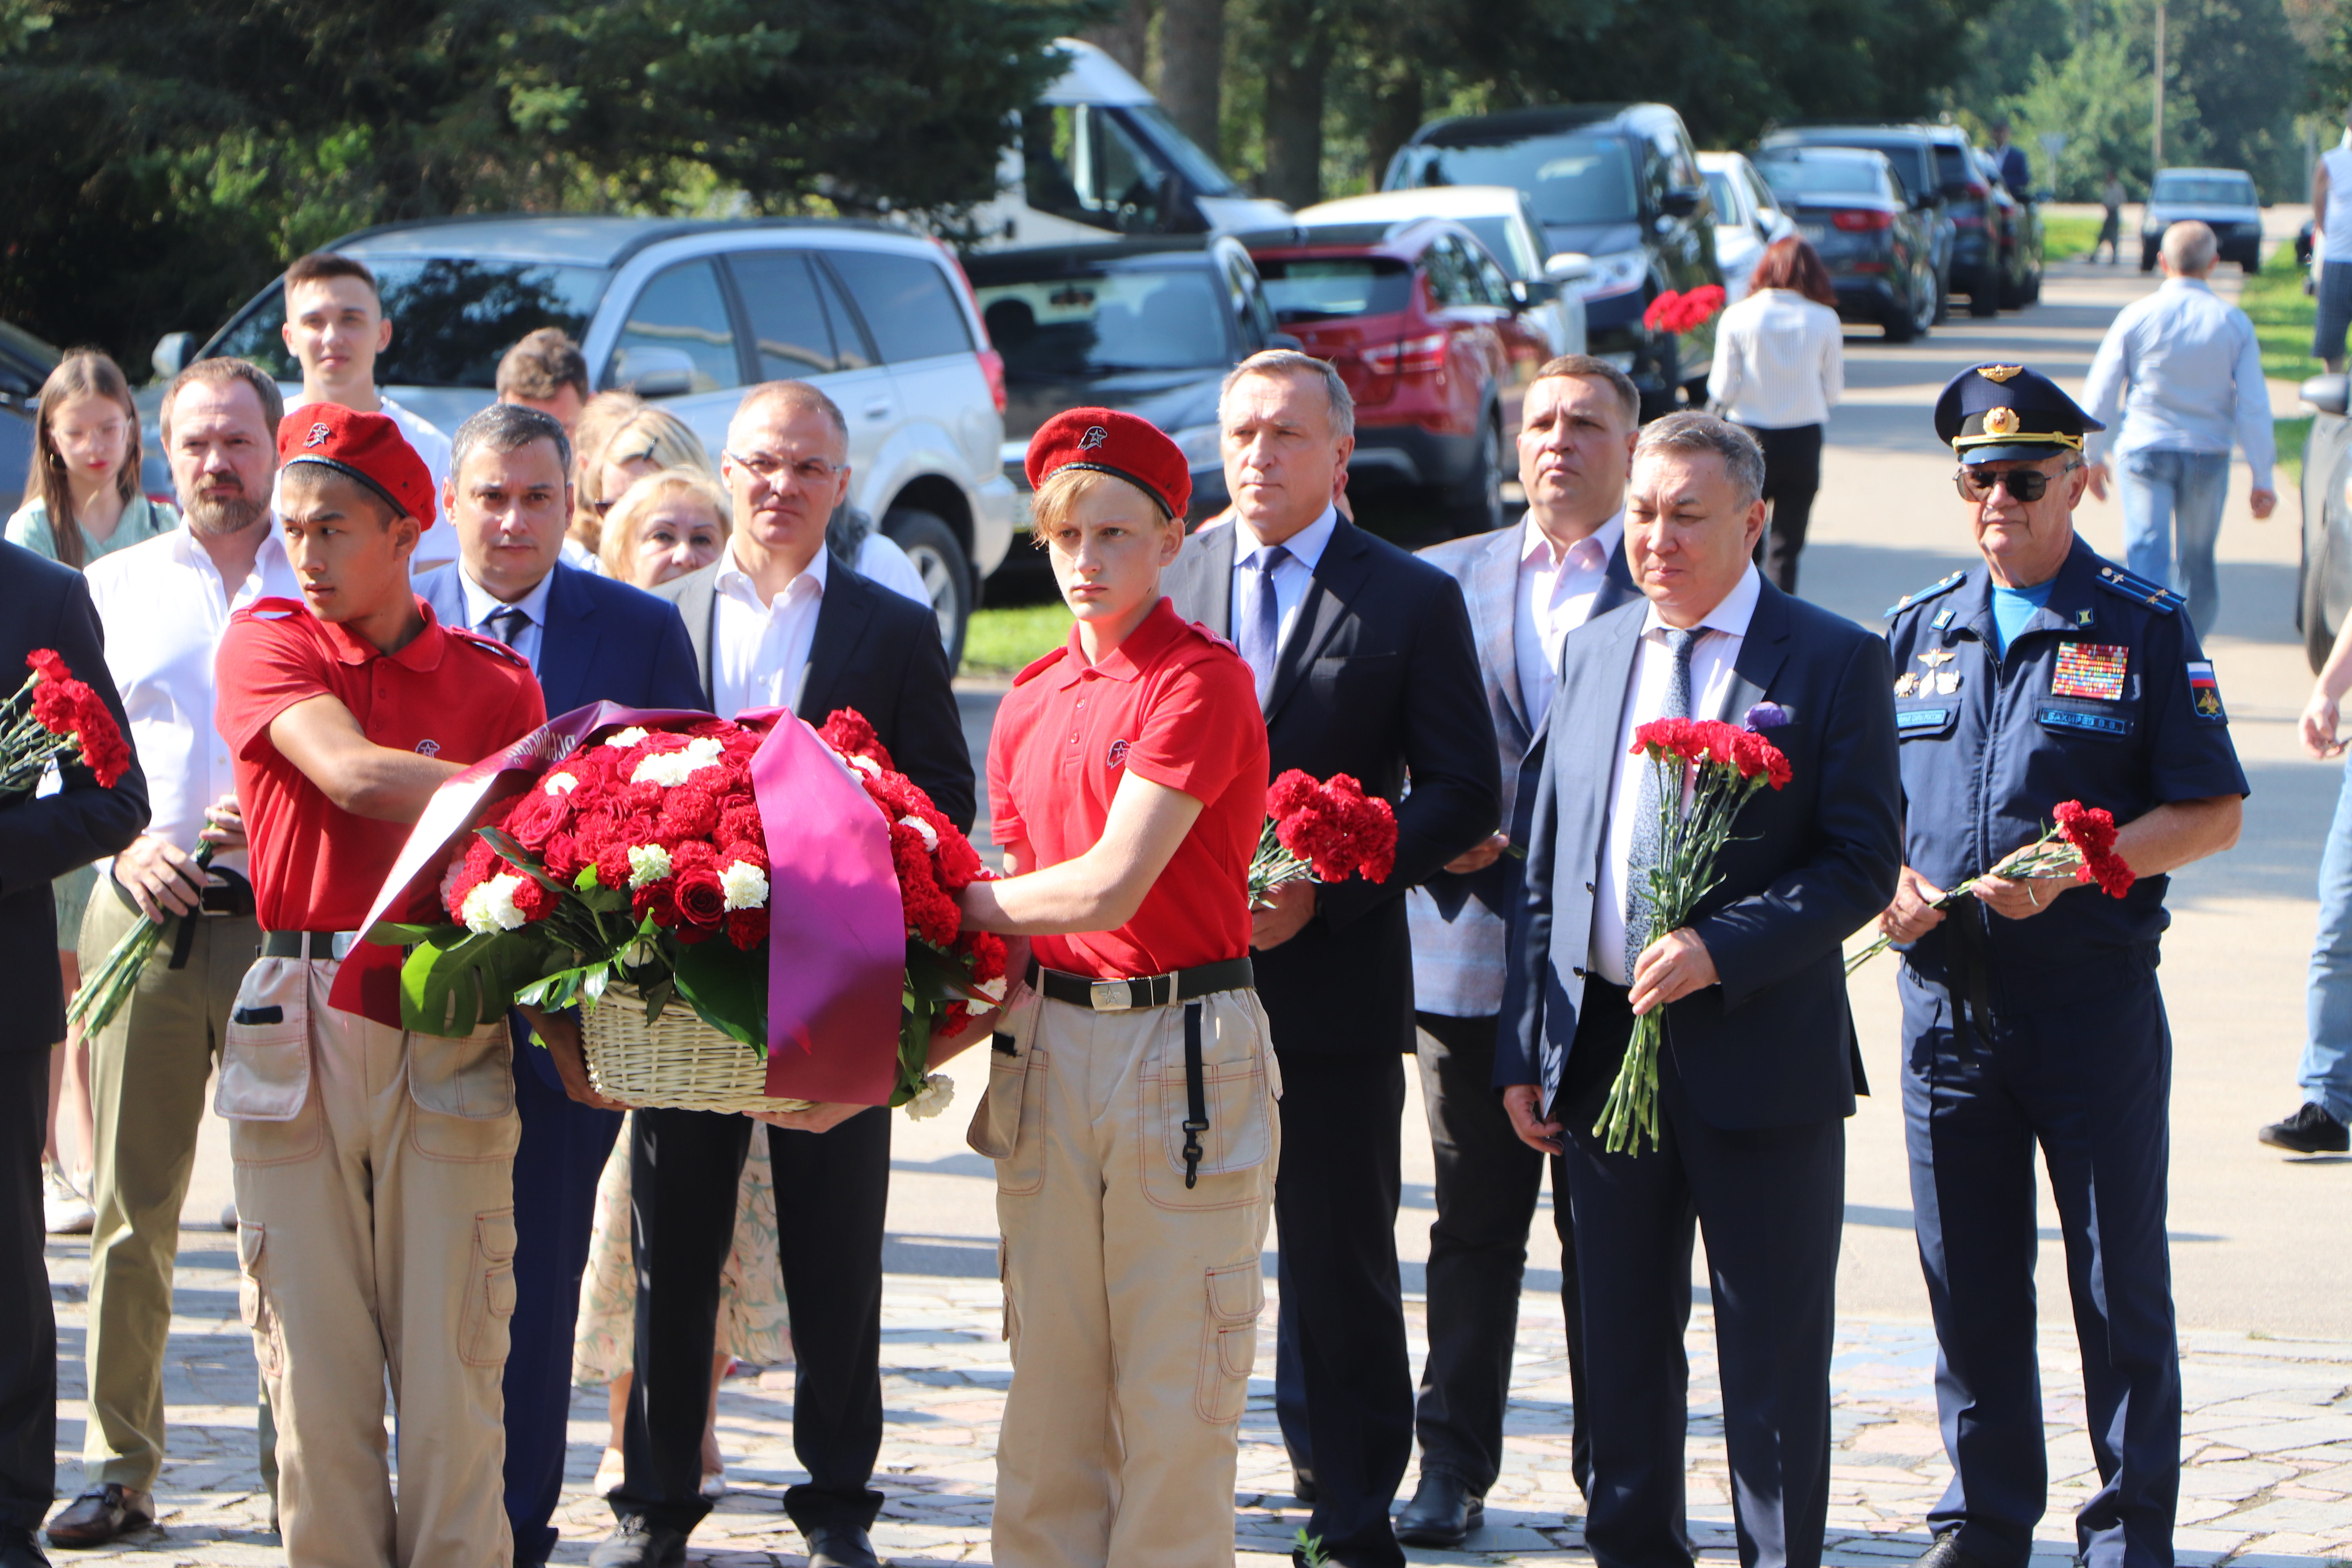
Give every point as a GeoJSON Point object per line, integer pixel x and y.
{"type": "Point", "coordinates": [1767, 716]}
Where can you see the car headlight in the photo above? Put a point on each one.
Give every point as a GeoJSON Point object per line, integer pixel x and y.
{"type": "Point", "coordinates": [1199, 442]}
{"type": "Point", "coordinates": [1619, 272]}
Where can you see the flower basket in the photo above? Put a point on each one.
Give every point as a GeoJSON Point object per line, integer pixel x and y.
{"type": "Point", "coordinates": [675, 1063]}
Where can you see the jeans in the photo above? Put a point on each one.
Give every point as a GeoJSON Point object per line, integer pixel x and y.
{"type": "Point", "coordinates": [2325, 1074]}
{"type": "Point", "coordinates": [2161, 490]}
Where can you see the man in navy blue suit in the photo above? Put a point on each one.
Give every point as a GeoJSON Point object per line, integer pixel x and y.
{"type": "Point", "coordinates": [588, 640]}
{"type": "Point", "coordinates": [1759, 1070]}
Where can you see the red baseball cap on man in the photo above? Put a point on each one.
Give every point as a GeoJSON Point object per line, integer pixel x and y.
{"type": "Point", "coordinates": [368, 447]}
{"type": "Point", "coordinates": [1109, 442]}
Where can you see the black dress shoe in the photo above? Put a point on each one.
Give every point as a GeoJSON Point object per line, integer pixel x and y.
{"type": "Point", "coordinates": [19, 1550]}
{"type": "Point", "coordinates": [1442, 1512]}
{"type": "Point", "coordinates": [639, 1543]}
{"type": "Point", "coordinates": [1947, 1554]}
{"type": "Point", "coordinates": [2310, 1131]}
{"type": "Point", "coordinates": [97, 1517]}
{"type": "Point", "coordinates": [840, 1546]}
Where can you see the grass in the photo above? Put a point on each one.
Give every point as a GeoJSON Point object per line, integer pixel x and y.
{"type": "Point", "coordinates": [2068, 237]}
{"type": "Point", "coordinates": [2290, 434]}
{"type": "Point", "coordinates": [2282, 316]}
{"type": "Point", "coordinates": [1004, 642]}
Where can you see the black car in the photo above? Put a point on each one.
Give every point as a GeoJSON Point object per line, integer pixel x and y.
{"type": "Point", "coordinates": [2016, 223]}
{"type": "Point", "coordinates": [1149, 326]}
{"type": "Point", "coordinates": [1619, 182]}
{"type": "Point", "coordinates": [1920, 174]}
{"type": "Point", "coordinates": [1876, 243]}
{"type": "Point", "coordinates": [25, 364]}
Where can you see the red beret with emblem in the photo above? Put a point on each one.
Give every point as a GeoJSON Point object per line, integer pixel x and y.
{"type": "Point", "coordinates": [368, 447]}
{"type": "Point", "coordinates": [1109, 442]}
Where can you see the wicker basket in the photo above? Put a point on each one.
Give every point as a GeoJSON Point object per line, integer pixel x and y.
{"type": "Point", "coordinates": [678, 1063]}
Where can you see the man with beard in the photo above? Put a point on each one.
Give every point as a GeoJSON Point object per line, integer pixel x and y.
{"type": "Point", "coordinates": [163, 605]}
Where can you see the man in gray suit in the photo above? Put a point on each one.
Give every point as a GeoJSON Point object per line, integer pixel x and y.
{"type": "Point", "coordinates": [1528, 587]}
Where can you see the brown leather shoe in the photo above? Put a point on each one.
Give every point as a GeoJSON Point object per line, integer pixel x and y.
{"type": "Point", "coordinates": [97, 1517]}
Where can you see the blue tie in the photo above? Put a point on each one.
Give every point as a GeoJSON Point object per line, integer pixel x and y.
{"type": "Point", "coordinates": [1261, 626]}
{"type": "Point", "coordinates": [508, 623]}
{"type": "Point", "coordinates": [1644, 854]}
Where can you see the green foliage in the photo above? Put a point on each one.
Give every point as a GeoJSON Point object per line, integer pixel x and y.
{"type": "Point", "coordinates": [2283, 315]}
{"type": "Point", "coordinates": [2066, 235]}
{"type": "Point", "coordinates": [2102, 99]}
{"type": "Point", "coordinates": [1006, 641]}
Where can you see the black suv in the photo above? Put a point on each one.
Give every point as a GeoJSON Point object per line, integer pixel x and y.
{"type": "Point", "coordinates": [1619, 182]}
{"type": "Point", "coordinates": [1911, 148]}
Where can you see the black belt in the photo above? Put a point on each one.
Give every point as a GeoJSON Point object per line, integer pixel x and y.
{"type": "Point", "coordinates": [231, 898]}
{"type": "Point", "coordinates": [1149, 991]}
{"type": "Point", "coordinates": [318, 944]}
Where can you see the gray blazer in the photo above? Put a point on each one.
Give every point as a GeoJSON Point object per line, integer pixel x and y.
{"type": "Point", "coordinates": [1459, 935]}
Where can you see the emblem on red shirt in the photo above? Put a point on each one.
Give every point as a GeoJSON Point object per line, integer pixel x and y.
{"type": "Point", "coordinates": [1095, 437]}
{"type": "Point", "coordinates": [428, 748]}
{"type": "Point", "coordinates": [2090, 669]}
{"type": "Point", "coordinates": [319, 435]}
{"type": "Point", "coordinates": [1118, 758]}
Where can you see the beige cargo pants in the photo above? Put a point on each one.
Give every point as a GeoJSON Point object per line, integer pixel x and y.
{"type": "Point", "coordinates": [375, 1231]}
{"type": "Point", "coordinates": [1131, 1301]}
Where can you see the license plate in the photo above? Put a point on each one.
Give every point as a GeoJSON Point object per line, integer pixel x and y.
{"type": "Point", "coordinates": [1813, 232]}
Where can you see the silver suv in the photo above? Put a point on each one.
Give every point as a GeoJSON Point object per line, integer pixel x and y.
{"type": "Point", "coordinates": [690, 313]}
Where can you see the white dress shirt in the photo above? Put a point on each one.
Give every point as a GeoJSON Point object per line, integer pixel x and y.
{"type": "Point", "coordinates": [761, 652]}
{"type": "Point", "coordinates": [163, 607]}
{"type": "Point", "coordinates": [1722, 630]}
{"type": "Point", "coordinates": [1779, 360]}
{"type": "Point", "coordinates": [438, 543]}
{"type": "Point", "coordinates": [1556, 593]}
{"type": "Point", "coordinates": [482, 605]}
{"type": "Point", "coordinates": [1291, 579]}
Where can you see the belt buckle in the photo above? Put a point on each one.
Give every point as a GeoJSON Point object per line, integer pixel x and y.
{"type": "Point", "coordinates": [1110, 995]}
{"type": "Point", "coordinates": [342, 943]}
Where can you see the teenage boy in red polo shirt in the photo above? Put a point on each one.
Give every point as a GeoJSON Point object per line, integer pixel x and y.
{"type": "Point", "coordinates": [374, 1169]}
{"type": "Point", "coordinates": [1127, 777]}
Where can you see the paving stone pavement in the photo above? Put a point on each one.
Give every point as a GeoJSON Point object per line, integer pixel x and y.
{"type": "Point", "coordinates": [2266, 1480]}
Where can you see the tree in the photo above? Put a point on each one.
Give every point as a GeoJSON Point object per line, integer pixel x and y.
{"type": "Point", "coordinates": [1192, 68]}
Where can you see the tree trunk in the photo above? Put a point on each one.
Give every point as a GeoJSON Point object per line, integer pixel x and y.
{"type": "Point", "coordinates": [1126, 36]}
{"type": "Point", "coordinates": [1396, 115]}
{"type": "Point", "coordinates": [1298, 61]}
{"type": "Point", "coordinates": [1192, 68]}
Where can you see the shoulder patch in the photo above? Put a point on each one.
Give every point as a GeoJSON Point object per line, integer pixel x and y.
{"type": "Point", "coordinates": [1039, 667]}
{"type": "Point", "coordinates": [2155, 595]}
{"type": "Point", "coordinates": [488, 645]}
{"type": "Point", "coordinates": [1932, 590]}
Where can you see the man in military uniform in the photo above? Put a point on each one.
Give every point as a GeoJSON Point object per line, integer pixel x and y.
{"type": "Point", "coordinates": [2031, 1013]}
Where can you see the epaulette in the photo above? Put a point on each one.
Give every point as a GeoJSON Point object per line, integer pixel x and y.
{"type": "Point", "coordinates": [488, 645]}
{"type": "Point", "coordinates": [2155, 595]}
{"type": "Point", "coordinates": [1943, 585]}
{"type": "Point", "coordinates": [1039, 667]}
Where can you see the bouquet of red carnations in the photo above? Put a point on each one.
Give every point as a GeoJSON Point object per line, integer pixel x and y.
{"type": "Point", "coordinates": [1674, 312]}
{"type": "Point", "coordinates": [2081, 839]}
{"type": "Point", "coordinates": [1322, 833]}
{"type": "Point", "coordinates": [53, 719]}
{"type": "Point", "coordinates": [1718, 766]}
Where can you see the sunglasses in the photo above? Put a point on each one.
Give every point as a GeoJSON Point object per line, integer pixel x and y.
{"type": "Point", "coordinates": [2027, 485]}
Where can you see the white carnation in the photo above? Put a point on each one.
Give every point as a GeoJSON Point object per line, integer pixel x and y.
{"type": "Point", "coordinates": [559, 783]}
{"type": "Point", "coordinates": [923, 830]}
{"type": "Point", "coordinates": [992, 989]}
{"type": "Point", "coordinates": [626, 738]}
{"type": "Point", "coordinates": [936, 1095]}
{"type": "Point", "coordinates": [648, 863]}
{"type": "Point", "coordinates": [671, 768]}
{"type": "Point", "coordinates": [864, 764]}
{"type": "Point", "coordinates": [746, 886]}
{"type": "Point", "coordinates": [491, 907]}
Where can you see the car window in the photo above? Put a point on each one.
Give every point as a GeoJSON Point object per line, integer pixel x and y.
{"type": "Point", "coordinates": [2204, 190]}
{"type": "Point", "coordinates": [851, 345]}
{"type": "Point", "coordinates": [1318, 288]}
{"type": "Point", "coordinates": [1079, 163]}
{"type": "Point", "coordinates": [1804, 177]}
{"type": "Point", "coordinates": [1726, 206]}
{"type": "Point", "coordinates": [1952, 164]}
{"type": "Point", "coordinates": [1251, 321]}
{"type": "Point", "coordinates": [452, 318]}
{"type": "Point", "coordinates": [1105, 322]}
{"type": "Point", "coordinates": [908, 302]}
{"type": "Point", "coordinates": [789, 329]}
{"type": "Point", "coordinates": [1569, 179]}
{"type": "Point", "coordinates": [1760, 195]}
{"type": "Point", "coordinates": [681, 311]}
{"type": "Point", "coordinates": [1451, 281]}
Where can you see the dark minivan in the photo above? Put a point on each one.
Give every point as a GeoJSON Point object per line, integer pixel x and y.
{"type": "Point", "coordinates": [1620, 184]}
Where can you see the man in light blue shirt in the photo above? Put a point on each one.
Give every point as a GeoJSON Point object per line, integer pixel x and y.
{"type": "Point", "coordinates": [2186, 373]}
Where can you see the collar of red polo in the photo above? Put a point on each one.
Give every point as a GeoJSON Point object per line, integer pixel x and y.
{"type": "Point", "coordinates": [1151, 637]}
{"type": "Point", "coordinates": [422, 654]}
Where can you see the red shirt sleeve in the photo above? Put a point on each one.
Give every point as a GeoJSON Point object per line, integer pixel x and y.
{"type": "Point", "coordinates": [1005, 824]}
{"type": "Point", "coordinates": [263, 667]}
{"type": "Point", "coordinates": [1203, 728]}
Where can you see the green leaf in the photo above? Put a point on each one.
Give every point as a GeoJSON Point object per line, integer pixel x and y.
{"type": "Point", "coordinates": [499, 839]}
{"type": "Point", "coordinates": [659, 997]}
{"type": "Point", "coordinates": [456, 988]}
{"type": "Point", "coordinates": [727, 989]}
{"type": "Point", "coordinates": [399, 934]}
{"type": "Point", "coordinates": [937, 977]}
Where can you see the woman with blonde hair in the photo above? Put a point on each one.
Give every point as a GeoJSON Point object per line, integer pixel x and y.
{"type": "Point", "coordinates": [665, 525]}
{"type": "Point", "coordinates": [640, 441]}
{"type": "Point", "coordinates": [599, 417]}
{"type": "Point", "coordinates": [84, 503]}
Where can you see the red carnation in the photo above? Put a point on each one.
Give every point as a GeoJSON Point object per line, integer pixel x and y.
{"type": "Point", "coordinates": [747, 929]}
{"type": "Point", "coordinates": [535, 898]}
{"type": "Point", "coordinates": [847, 732]}
{"type": "Point", "coordinates": [45, 663]}
{"type": "Point", "coordinates": [2092, 831]}
{"type": "Point", "coordinates": [1291, 793]}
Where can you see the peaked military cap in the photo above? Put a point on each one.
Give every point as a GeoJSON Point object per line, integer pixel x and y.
{"type": "Point", "coordinates": [1998, 413]}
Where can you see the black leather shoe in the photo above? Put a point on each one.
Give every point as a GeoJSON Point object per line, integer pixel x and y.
{"type": "Point", "coordinates": [840, 1546]}
{"type": "Point", "coordinates": [639, 1543]}
{"type": "Point", "coordinates": [2310, 1131]}
{"type": "Point", "coordinates": [1947, 1554]}
{"type": "Point", "coordinates": [19, 1550]}
{"type": "Point", "coordinates": [1442, 1512]}
{"type": "Point", "coordinates": [97, 1517]}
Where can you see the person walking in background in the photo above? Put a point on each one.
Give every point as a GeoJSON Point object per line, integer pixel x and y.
{"type": "Point", "coordinates": [163, 605]}
{"type": "Point", "coordinates": [1527, 587]}
{"type": "Point", "coordinates": [2320, 1125]}
{"type": "Point", "coordinates": [665, 525]}
{"type": "Point", "coordinates": [2111, 228]}
{"type": "Point", "coordinates": [1780, 368]}
{"type": "Point", "coordinates": [86, 505]}
{"type": "Point", "coordinates": [2015, 171]}
{"type": "Point", "coordinates": [545, 371]}
{"type": "Point", "coordinates": [2331, 247]}
{"type": "Point", "coordinates": [2182, 372]}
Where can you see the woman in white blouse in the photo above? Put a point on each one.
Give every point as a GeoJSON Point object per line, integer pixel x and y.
{"type": "Point", "coordinates": [1779, 365]}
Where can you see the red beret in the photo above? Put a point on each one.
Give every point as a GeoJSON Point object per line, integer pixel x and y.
{"type": "Point", "coordinates": [368, 447]}
{"type": "Point", "coordinates": [1109, 442]}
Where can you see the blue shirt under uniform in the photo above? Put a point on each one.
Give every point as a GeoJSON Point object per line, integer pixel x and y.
{"type": "Point", "coordinates": [2013, 607]}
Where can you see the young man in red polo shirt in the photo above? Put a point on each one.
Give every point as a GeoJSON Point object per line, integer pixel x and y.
{"type": "Point", "coordinates": [1128, 776]}
{"type": "Point", "coordinates": [374, 1180]}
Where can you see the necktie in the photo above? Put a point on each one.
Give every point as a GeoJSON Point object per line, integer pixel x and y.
{"type": "Point", "coordinates": [1644, 852]}
{"type": "Point", "coordinates": [1260, 624]}
{"type": "Point", "coordinates": [508, 623]}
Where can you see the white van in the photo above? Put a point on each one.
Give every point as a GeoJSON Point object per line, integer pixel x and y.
{"type": "Point", "coordinates": [1097, 156]}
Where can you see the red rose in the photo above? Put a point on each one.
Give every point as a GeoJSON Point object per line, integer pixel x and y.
{"type": "Point", "coordinates": [656, 899]}
{"type": "Point", "coordinates": [561, 855]}
{"type": "Point", "coordinates": [699, 897]}
{"type": "Point", "coordinates": [535, 816]}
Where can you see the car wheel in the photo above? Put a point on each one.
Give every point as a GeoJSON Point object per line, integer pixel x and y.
{"type": "Point", "coordinates": [2146, 257]}
{"type": "Point", "coordinates": [2318, 636]}
{"type": "Point", "coordinates": [2033, 291]}
{"type": "Point", "coordinates": [931, 545]}
{"type": "Point", "coordinates": [1984, 294]}
{"type": "Point", "coordinates": [1476, 506]}
{"type": "Point", "coordinates": [1926, 294]}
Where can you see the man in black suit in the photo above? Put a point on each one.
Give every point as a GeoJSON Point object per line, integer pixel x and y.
{"type": "Point", "coordinates": [777, 621]}
{"type": "Point", "coordinates": [42, 606]}
{"type": "Point", "coordinates": [1364, 666]}
{"type": "Point", "coordinates": [1758, 1069]}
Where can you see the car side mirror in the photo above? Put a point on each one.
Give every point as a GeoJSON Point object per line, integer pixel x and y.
{"type": "Point", "coordinates": [1568, 267]}
{"type": "Point", "coordinates": [651, 370]}
{"type": "Point", "coordinates": [1679, 203]}
{"type": "Point", "coordinates": [2329, 394]}
{"type": "Point", "coordinates": [171, 353]}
